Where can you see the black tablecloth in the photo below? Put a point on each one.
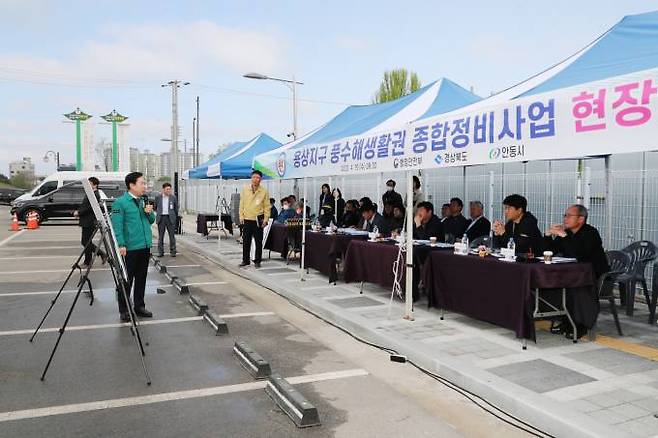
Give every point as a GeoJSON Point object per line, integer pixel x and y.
{"type": "Point", "coordinates": [322, 251]}
{"type": "Point", "coordinates": [277, 239]}
{"type": "Point", "coordinates": [372, 262]}
{"type": "Point", "coordinates": [500, 292]}
{"type": "Point", "coordinates": [202, 220]}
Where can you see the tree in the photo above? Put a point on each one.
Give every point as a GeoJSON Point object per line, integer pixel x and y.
{"type": "Point", "coordinates": [164, 179]}
{"type": "Point", "coordinates": [395, 84]}
{"type": "Point", "coordinates": [22, 181]}
{"type": "Point", "coordinates": [3, 178]}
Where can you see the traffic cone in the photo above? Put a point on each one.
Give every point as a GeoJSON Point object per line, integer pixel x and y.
{"type": "Point", "coordinates": [14, 224]}
{"type": "Point", "coordinates": [32, 222]}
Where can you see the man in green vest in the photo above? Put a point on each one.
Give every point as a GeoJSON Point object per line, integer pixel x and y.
{"type": "Point", "coordinates": [132, 217]}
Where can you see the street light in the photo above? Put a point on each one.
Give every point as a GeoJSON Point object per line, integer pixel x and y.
{"type": "Point", "coordinates": [292, 85]}
{"type": "Point", "coordinates": [175, 84]}
{"type": "Point", "coordinates": [55, 156]}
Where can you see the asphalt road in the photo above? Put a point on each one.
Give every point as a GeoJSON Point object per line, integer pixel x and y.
{"type": "Point", "coordinates": [96, 386]}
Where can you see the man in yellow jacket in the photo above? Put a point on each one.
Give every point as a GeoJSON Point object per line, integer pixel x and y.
{"type": "Point", "coordinates": [254, 215]}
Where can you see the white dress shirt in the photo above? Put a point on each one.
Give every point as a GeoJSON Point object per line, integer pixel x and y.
{"type": "Point", "coordinates": [165, 206]}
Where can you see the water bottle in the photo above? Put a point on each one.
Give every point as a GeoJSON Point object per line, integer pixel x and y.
{"type": "Point", "coordinates": [465, 240]}
{"type": "Point", "coordinates": [511, 245]}
{"type": "Point", "coordinates": [375, 230]}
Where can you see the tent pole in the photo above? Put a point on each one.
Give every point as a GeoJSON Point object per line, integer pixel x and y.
{"type": "Point", "coordinates": [588, 187]}
{"type": "Point", "coordinates": [464, 194]}
{"type": "Point", "coordinates": [490, 213]}
{"type": "Point", "coordinates": [380, 178]}
{"type": "Point", "coordinates": [643, 189]}
{"type": "Point", "coordinates": [408, 294]}
{"type": "Point", "coordinates": [608, 202]}
{"type": "Point", "coordinates": [301, 277]}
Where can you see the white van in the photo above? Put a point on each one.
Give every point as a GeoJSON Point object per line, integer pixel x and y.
{"type": "Point", "coordinates": [58, 179]}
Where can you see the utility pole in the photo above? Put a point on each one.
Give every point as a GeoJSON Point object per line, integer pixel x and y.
{"type": "Point", "coordinates": [175, 84]}
{"type": "Point", "coordinates": [196, 145]}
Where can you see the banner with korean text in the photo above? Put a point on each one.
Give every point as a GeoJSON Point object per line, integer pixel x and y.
{"type": "Point", "coordinates": [615, 115]}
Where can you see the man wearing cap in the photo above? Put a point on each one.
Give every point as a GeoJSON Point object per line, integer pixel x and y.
{"type": "Point", "coordinates": [254, 215]}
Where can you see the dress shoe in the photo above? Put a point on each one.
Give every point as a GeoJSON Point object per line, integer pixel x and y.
{"type": "Point", "coordinates": [243, 264]}
{"type": "Point", "coordinates": [257, 264]}
{"type": "Point", "coordinates": [173, 253]}
{"type": "Point", "coordinates": [103, 257]}
{"type": "Point", "coordinates": [160, 254]}
{"type": "Point", "coordinates": [141, 311]}
{"type": "Point", "coordinates": [125, 317]}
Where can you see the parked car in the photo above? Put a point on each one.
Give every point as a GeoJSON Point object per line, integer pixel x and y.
{"type": "Point", "coordinates": [62, 202]}
{"type": "Point", "coordinates": [59, 179]}
{"type": "Point", "coordinates": [9, 194]}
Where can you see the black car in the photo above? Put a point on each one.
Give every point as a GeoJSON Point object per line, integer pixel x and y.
{"type": "Point", "coordinates": [8, 194]}
{"type": "Point", "coordinates": [61, 203]}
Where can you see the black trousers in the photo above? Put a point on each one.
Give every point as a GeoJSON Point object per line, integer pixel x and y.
{"type": "Point", "coordinates": [251, 229]}
{"type": "Point", "coordinates": [87, 232]}
{"type": "Point", "coordinates": [167, 223]}
{"type": "Point", "coordinates": [137, 263]}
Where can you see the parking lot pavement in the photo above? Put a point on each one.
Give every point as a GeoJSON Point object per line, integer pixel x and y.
{"type": "Point", "coordinates": [96, 386]}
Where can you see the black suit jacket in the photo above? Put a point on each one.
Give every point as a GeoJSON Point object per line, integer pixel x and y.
{"type": "Point", "coordinates": [455, 225]}
{"type": "Point", "coordinates": [480, 228]}
{"type": "Point", "coordinates": [381, 224]}
{"type": "Point", "coordinates": [585, 245]}
{"type": "Point", "coordinates": [86, 217]}
{"type": "Point", "coordinates": [433, 228]}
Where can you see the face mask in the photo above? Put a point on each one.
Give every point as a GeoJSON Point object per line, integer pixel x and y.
{"type": "Point", "coordinates": [389, 188]}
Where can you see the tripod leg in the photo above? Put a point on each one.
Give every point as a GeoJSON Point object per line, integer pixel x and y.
{"type": "Point", "coordinates": [66, 321]}
{"type": "Point", "coordinates": [75, 266]}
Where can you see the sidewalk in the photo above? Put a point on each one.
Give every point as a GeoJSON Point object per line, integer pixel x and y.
{"type": "Point", "coordinates": [603, 388]}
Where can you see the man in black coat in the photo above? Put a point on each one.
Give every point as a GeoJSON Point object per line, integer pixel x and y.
{"type": "Point", "coordinates": [87, 221]}
{"type": "Point", "coordinates": [391, 197]}
{"type": "Point", "coordinates": [478, 225]}
{"type": "Point", "coordinates": [455, 224]}
{"type": "Point", "coordinates": [521, 226]}
{"type": "Point", "coordinates": [372, 219]}
{"type": "Point", "coordinates": [576, 238]}
{"type": "Point", "coordinates": [427, 224]}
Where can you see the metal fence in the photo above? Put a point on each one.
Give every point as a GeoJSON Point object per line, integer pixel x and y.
{"type": "Point", "coordinates": [624, 212]}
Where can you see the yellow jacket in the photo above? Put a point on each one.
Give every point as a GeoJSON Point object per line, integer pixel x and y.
{"type": "Point", "coordinates": [254, 203]}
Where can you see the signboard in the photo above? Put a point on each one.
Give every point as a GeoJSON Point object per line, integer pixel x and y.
{"type": "Point", "coordinates": [615, 115]}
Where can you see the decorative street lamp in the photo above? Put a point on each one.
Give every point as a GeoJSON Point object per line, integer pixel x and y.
{"type": "Point", "coordinates": [114, 117]}
{"type": "Point", "coordinates": [78, 116]}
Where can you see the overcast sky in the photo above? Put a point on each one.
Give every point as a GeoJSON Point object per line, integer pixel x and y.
{"type": "Point", "coordinates": [100, 55]}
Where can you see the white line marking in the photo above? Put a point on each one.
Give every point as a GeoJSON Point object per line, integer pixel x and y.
{"type": "Point", "coordinates": [181, 266]}
{"type": "Point", "coordinates": [74, 328]}
{"type": "Point", "coordinates": [204, 283]}
{"type": "Point", "coordinates": [244, 315]}
{"type": "Point", "coordinates": [53, 271]}
{"type": "Point", "coordinates": [169, 396]}
{"type": "Point", "coordinates": [33, 257]}
{"type": "Point", "coordinates": [13, 236]}
{"type": "Point", "coordinates": [40, 248]}
{"type": "Point", "coordinates": [72, 291]}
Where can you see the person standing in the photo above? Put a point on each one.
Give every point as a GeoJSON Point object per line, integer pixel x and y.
{"type": "Point", "coordinates": [254, 215]}
{"type": "Point", "coordinates": [87, 221]}
{"type": "Point", "coordinates": [325, 197]}
{"type": "Point", "coordinates": [132, 218]}
{"type": "Point", "coordinates": [391, 196]}
{"type": "Point", "coordinates": [166, 216]}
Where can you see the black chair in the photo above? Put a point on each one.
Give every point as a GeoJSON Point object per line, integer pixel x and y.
{"type": "Point", "coordinates": [482, 240]}
{"type": "Point", "coordinates": [654, 295]}
{"type": "Point", "coordinates": [620, 263]}
{"type": "Point", "coordinates": [641, 254]}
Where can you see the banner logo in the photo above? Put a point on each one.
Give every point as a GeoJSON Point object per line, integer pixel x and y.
{"type": "Point", "coordinates": [281, 165]}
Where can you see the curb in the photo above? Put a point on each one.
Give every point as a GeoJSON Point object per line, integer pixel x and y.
{"type": "Point", "coordinates": [521, 403]}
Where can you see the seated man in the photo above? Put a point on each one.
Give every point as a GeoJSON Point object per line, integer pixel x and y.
{"type": "Point", "coordinates": [455, 225]}
{"type": "Point", "coordinates": [478, 225]}
{"type": "Point", "coordinates": [427, 224]}
{"type": "Point", "coordinates": [521, 226]}
{"type": "Point", "coordinates": [576, 238]}
{"type": "Point", "coordinates": [287, 211]}
{"type": "Point", "coordinates": [372, 219]}
{"type": "Point", "coordinates": [350, 217]}
{"type": "Point", "coordinates": [396, 222]}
